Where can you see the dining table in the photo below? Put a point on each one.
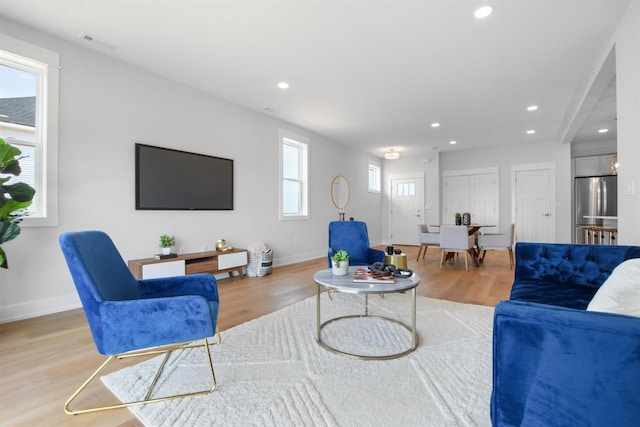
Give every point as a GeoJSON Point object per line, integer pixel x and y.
{"type": "Point", "coordinates": [474, 230]}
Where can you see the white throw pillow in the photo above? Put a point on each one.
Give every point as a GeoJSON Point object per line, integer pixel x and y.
{"type": "Point", "coordinates": [620, 293]}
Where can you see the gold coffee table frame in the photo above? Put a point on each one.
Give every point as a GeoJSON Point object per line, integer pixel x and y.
{"type": "Point", "coordinates": [325, 279]}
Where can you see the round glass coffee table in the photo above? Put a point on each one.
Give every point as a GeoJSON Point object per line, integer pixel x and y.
{"type": "Point", "coordinates": [325, 279]}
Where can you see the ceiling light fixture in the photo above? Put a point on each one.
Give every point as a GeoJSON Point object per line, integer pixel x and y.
{"type": "Point", "coordinates": [531, 132]}
{"type": "Point", "coordinates": [603, 130]}
{"type": "Point", "coordinates": [435, 124]}
{"type": "Point", "coordinates": [392, 155]}
{"type": "Point", "coordinates": [483, 12]}
{"type": "Point", "coordinates": [283, 85]}
{"type": "Point", "coordinates": [532, 108]}
{"type": "Point", "coordinates": [453, 142]}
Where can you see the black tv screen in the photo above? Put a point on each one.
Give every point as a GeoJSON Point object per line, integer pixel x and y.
{"type": "Point", "coordinates": [168, 179]}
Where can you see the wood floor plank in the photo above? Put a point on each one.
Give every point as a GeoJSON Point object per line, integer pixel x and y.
{"type": "Point", "coordinates": [43, 360]}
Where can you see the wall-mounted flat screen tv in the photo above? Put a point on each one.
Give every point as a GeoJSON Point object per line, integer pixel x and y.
{"type": "Point", "coordinates": [168, 179]}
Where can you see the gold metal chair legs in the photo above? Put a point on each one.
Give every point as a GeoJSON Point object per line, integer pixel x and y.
{"type": "Point", "coordinates": [147, 399]}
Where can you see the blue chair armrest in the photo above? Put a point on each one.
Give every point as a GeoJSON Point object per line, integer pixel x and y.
{"type": "Point", "coordinates": [560, 366]}
{"type": "Point", "coordinates": [203, 284]}
{"type": "Point", "coordinates": [135, 324]}
{"type": "Point", "coordinates": [375, 255]}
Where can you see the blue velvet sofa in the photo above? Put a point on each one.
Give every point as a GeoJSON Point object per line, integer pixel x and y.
{"type": "Point", "coordinates": [554, 363]}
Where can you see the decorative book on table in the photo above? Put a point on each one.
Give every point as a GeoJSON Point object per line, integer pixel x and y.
{"type": "Point", "coordinates": [163, 256]}
{"type": "Point", "coordinates": [364, 275]}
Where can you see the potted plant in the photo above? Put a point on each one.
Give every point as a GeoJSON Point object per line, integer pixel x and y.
{"type": "Point", "coordinates": [340, 263]}
{"type": "Point", "coordinates": [14, 198]}
{"type": "Point", "coordinates": [166, 242]}
{"type": "Point", "coordinates": [458, 218]}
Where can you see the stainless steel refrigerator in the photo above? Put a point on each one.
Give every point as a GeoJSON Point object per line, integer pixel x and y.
{"type": "Point", "coordinates": [594, 196]}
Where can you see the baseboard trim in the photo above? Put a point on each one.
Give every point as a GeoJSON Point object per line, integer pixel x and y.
{"type": "Point", "coordinates": [41, 307]}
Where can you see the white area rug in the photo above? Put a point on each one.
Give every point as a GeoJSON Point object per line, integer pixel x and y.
{"type": "Point", "coordinates": [271, 371]}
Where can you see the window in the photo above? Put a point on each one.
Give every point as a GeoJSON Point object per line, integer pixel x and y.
{"type": "Point", "coordinates": [374, 178]}
{"type": "Point", "coordinates": [407, 189]}
{"type": "Point", "coordinates": [28, 120]}
{"type": "Point", "coordinates": [294, 188]}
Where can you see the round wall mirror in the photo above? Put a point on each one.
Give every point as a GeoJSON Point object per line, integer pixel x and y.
{"type": "Point", "coordinates": [340, 194]}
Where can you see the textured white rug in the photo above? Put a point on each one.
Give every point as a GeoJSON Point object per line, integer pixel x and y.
{"type": "Point", "coordinates": [271, 371]}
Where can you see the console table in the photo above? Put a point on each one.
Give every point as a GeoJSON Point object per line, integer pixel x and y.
{"type": "Point", "coordinates": [214, 262]}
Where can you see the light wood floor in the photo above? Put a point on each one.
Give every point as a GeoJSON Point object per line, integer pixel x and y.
{"type": "Point", "coordinates": [43, 360]}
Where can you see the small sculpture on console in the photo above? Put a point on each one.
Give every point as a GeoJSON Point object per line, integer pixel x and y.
{"type": "Point", "coordinates": [220, 246]}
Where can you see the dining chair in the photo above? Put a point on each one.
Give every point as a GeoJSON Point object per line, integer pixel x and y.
{"type": "Point", "coordinates": [456, 239]}
{"type": "Point", "coordinates": [426, 238]}
{"type": "Point", "coordinates": [129, 317]}
{"type": "Point", "coordinates": [498, 242]}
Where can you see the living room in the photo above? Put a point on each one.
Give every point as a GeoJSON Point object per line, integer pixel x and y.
{"type": "Point", "coordinates": [106, 106]}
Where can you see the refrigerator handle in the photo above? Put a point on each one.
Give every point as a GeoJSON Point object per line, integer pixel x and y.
{"type": "Point", "coordinates": [604, 197]}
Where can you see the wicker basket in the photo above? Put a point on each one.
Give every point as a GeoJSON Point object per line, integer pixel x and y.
{"type": "Point", "coordinates": [260, 263]}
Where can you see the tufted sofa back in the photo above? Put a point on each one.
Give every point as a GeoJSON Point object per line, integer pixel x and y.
{"type": "Point", "coordinates": [586, 265]}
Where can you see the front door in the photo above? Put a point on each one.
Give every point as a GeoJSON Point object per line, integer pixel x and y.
{"type": "Point", "coordinates": [406, 210]}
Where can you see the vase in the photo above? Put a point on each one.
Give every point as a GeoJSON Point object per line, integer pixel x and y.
{"type": "Point", "coordinates": [166, 251]}
{"type": "Point", "coordinates": [342, 270]}
{"type": "Point", "coordinates": [458, 221]}
{"type": "Point", "coordinates": [466, 218]}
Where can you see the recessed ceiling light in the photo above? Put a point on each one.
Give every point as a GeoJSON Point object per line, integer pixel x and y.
{"type": "Point", "coordinates": [603, 130]}
{"type": "Point", "coordinates": [531, 132]}
{"type": "Point", "coordinates": [532, 108]}
{"type": "Point", "coordinates": [452, 142]}
{"type": "Point", "coordinates": [283, 85]}
{"type": "Point", "coordinates": [483, 12]}
{"type": "Point", "coordinates": [435, 124]}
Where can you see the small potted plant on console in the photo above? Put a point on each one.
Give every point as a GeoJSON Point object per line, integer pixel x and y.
{"type": "Point", "coordinates": [340, 263]}
{"type": "Point", "coordinates": [166, 242]}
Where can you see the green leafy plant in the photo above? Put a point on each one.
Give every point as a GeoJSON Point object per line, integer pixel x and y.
{"type": "Point", "coordinates": [458, 216]}
{"type": "Point", "coordinates": [340, 256]}
{"type": "Point", "coordinates": [14, 198]}
{"type": "Point", "coordinates": [167, 241]}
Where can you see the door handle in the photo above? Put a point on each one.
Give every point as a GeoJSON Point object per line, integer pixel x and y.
{"type": "Point", "coordinates": [547, 214]}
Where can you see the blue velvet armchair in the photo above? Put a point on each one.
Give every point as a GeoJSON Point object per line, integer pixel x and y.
{"type": "Point", "coordinates": [129, 316]}
{"type": "Point", "coordinates": [353, 237]}
{"type": "Point", "coordinates": [554, 362]}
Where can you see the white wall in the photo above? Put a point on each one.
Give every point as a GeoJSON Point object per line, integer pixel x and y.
{"type": "Point", "coordinates": [627, 45]}
{"type": "Point", "coordinates": [515, 155]}
{"type": "Point", "coordinates": [105, 107]}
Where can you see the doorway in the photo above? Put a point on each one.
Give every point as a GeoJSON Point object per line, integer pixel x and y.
{"type": "Point", "coordinates": [534, 201]}
{"type": "Point", "coordinates": [407, 200]}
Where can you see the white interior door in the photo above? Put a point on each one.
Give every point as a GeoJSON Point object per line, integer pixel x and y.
{"type": "Point", "coordinates": [534, 205]}
{"type": "Point", "coordinates": [483, 197]}
{"type": "Point", "coordinates": [456, 193]}
{"type": "Point", "coordinates": [407, 196]}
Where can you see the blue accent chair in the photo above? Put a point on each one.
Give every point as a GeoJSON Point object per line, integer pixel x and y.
{"type": "Point", "coordinates": [129, 317]}
{"type": "Point", "coordinates": [554, 363]}
{"type": "Point", "coordinates": [353, 237]}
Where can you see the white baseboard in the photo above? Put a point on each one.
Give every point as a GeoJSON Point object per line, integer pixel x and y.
{"type": "Point", "coordinates": [27, 310]}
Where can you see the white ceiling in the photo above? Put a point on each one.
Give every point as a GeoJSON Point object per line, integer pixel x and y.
{"type": "Point", "coordinates": [372, 74]}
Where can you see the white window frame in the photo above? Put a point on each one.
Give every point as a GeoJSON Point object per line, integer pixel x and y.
{"type": "Point", "coordinates": [376, 169]}
{"type": "Point", "coordinates": [26, 56]}
{"type": "Point", "coordinates": [302, 143]}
